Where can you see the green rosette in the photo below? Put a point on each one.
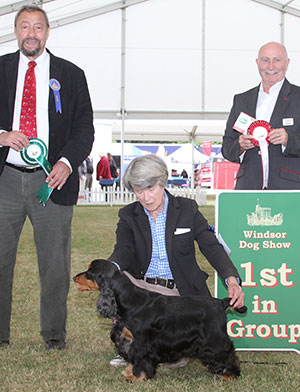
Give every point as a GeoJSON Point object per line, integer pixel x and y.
{"type": "Point", "coordinates": [35, 155]}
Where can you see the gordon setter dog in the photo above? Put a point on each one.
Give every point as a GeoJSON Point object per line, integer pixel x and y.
{"type": "Point", "coordinates": [150, 328]}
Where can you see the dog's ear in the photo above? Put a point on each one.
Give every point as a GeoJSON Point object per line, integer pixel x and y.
{"type": "Point", "coordinates": [102, 269]}
{"type": "Point", "coordinates": [106, 304]}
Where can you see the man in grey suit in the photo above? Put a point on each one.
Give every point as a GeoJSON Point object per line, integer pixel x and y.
{"type": "Point", "coordinates": [64, 123]}
{"type": "Point", "coordinates": [276, 101]}
{"type": "Point", "coordinates": [156, 239]}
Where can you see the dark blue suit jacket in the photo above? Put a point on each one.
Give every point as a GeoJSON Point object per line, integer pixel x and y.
{"type": "Point", "coordinates": [284, 168]}
{"type": "Point", "coordinates": [133, 248]}
{"type": "Point", "coordinates": [71, 133]}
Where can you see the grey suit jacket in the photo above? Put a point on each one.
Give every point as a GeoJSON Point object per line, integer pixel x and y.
{"type": "Point", "coordinates": [284, 168]}
{"type": "Point", "coordinates": [133, 248]}
{"type": "Point", "coordinates": [71, 133]}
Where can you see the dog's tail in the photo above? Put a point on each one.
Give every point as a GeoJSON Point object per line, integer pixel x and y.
{"type": "Point", "coordinates": [226, 304]}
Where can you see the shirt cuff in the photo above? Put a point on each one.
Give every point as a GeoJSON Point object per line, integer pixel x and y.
{"type": "Point", "coordinates": [66, 161]}
{"type": "Point", "coordinates": [237, 279]}
{"type": "Point", "coordinates": [2, 131]}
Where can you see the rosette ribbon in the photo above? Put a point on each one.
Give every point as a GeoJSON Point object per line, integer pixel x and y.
{"type": "Point", "coordinates": [55, 86]}
{"type": "Point", "coordinates": [260, 131]}
{"type": "Point", "coordinates": [34, 155]}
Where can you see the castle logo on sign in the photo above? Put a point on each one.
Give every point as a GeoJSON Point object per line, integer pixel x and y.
{"type": "Point", "coordinates": [263, 217]}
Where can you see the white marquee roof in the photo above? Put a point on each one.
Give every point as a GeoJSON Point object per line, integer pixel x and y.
{"type": "Point", "coordinates": [182, 60]}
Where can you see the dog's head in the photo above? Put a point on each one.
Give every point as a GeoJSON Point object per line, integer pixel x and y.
{"type": "Point", "coordinates": [98, 277]}
{"type": "Point", "coordinates": [97, 273]}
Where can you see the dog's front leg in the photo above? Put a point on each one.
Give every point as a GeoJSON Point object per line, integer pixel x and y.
{"type": "Point", "coordinates": [128, 373]}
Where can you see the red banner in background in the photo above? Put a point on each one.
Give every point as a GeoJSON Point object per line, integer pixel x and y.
{"type": "Point", "coordinates": [206, 148]}
{"type": "Point", "coordinates": [225, 175]}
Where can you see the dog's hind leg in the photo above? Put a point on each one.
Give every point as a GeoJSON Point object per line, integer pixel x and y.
{"type": "Point", "coordinates": [224, 364]}
{"type": "Point", "coordinates": [232, 367]}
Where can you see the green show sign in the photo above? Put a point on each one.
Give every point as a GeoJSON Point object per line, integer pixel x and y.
{"type": "Point", "coordinates": [262, 231]}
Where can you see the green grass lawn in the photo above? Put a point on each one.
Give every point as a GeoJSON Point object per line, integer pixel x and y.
{"type": "Point", "coordinates": [84, 367]}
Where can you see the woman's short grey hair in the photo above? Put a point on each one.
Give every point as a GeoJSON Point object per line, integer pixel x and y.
{"type": "Point", "coordinates": [145, 172]}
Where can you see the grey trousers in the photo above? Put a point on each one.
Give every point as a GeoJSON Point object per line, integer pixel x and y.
{"type": "Point", "coordinates": [52, 236]}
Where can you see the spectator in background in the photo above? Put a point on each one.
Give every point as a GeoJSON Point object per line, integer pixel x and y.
{"type": "Point", "coordinates": [197, 180]}
{"type": "Point", "coordinates": [174, 173]}
{"type": "Point", "coordinates": [184, 174]}
{"type": "Point", "coordinates": [82, 170]}
{"type": "Point", "coordinates": [89, 173]}
{"type": "Point", "coordinates": [112, 166]}
{"type": "Point", "coordinates": [103, 170]}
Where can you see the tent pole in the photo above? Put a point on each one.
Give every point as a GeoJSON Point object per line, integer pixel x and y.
{"type": "Point", "coordinates": [203, 56]}
{"type": "Point", "coordinates": [193, 159]}
{"type": "Point", "coordinates": [123, 111]}
{"type": "Point", "coordinates": [282, 27]}
{"type": "Point", "coordinates": [193, 136]}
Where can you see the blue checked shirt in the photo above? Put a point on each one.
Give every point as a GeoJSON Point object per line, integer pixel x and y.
{"type": "Point", "coordinates": [159, 264]}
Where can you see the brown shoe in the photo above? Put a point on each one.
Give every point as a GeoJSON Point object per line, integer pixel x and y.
{"type": "Point", "coordinates": [55, 344]}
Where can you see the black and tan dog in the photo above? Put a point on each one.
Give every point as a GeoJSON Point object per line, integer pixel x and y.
{"type": "Point", "coordinates": [150, 328]}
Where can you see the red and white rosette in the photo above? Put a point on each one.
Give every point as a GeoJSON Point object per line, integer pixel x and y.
{"type": "Point", "coordinates": [260, 131]}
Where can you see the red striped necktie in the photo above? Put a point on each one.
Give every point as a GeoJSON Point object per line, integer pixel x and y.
{"type": "Point", "coordinates": [28, 108]}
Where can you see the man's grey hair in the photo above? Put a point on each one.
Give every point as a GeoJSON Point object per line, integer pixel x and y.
{"type": "Point", "coordinates": [276, 43]}
{"type": "Point", "coordinates": [145, 172]}
{"type": "Point", "coordinates": [32, 8]}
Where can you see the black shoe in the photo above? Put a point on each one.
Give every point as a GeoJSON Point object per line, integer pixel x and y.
{"type": "Point", "coordinates": [4, 343]}
{"type": "Point", "coordinates": [55, 344]}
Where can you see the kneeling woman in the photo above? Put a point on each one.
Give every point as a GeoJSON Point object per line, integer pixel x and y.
{"type": "Point", "coordinates": [156, 237]}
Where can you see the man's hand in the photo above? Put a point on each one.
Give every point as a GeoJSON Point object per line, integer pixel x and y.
{"type": "Point", "coordinates": [235, 293]}
{"type": "Point", "coordinates": [14, 139]}
{"type": "Point", "coordinates": [279, 136]}
{"type": "Point", "coordinates": [245, 143]}
{"type": "Point", "coordinates": [58, 175]}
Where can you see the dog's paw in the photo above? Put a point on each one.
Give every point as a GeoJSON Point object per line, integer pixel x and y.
{"type": "Point", "coordinates": [226, 377]}
{"type": "Point", "coordinates": [128, 374]}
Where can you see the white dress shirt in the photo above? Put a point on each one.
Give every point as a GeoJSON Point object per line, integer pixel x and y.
{"type": "Point", "coordinates": [42, 72]}
{"type": "Point", "coordinates": [42, 76]}
{"type": "Point", "coordinates": [266, 102]}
